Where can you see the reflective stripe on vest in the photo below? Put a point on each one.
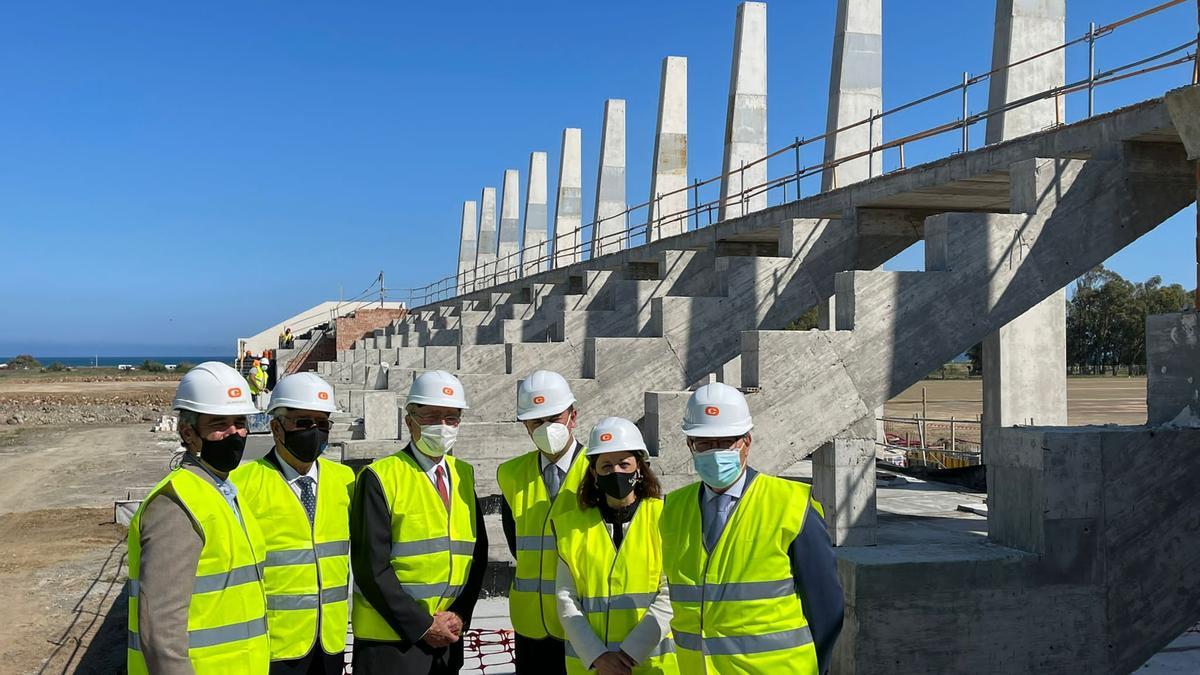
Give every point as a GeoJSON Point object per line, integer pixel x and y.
{"type": "Point", "coordinates": [307, 570]}
{"type": "Point", "coordinates": [737, 610]}
{"type": "Point", "coordinates": [615, 587]}
{"type": "Point", "coordinates": [227, 626]}
{"type": "Point", "coordinates": [431, 550]}
{"type": "Point", "coordinates": [531, 601]}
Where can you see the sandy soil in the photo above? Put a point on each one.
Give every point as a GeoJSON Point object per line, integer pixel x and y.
{"type": "Point", "coordinates": [61, 556]}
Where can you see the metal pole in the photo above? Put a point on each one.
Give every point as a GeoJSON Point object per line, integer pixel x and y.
{"type": "Point", "coordinates": [1196, 303]}
{"type": "Point", "coordinates": [953, 438]}
{"type": "Point", "coordinates": [742, 184]}
{"type": "Point", "coordinates": [798, 143]}
{"type": "Point", "coordinates": [966, 131]}
{"type": "Point", "coordinates": [1091, 68]}
{"type": "Point", "coordinates": [870, 143]}
{"type": "Point", "coordinates": [696, 200]}
{"type": "Point", "coordinates": [381, 290]}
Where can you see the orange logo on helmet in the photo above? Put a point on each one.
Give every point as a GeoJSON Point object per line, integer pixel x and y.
{"type": "Point", "coordinates": [604, 438]}
{"type": "Point", "coordinates": [538, 400]}
{"type": "Point", "coordinates": [323, 395]}
{"type": "Point", "coordinates": [449, 391]}
{"type": "Point", "coordinates": [712, 411]}
{"type": "Point", "coordinates": [234, 392]}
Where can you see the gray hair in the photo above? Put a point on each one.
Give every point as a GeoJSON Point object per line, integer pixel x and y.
{"type": "Point", "coordinates": [189, 418]}
{"type": "Point", "coordinates": [279, 413]}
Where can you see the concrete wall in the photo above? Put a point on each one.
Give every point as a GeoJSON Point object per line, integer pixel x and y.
{"type": "Point", "coordinates": [365, 322]}
{"type": "Point", "coordinates": [485, 253]}
{"type": "Point", "coordinates": [669, 172]}
{"type": "Point", "coordinates": [509, 246]}
{"type": "Point", "coordinates": [467, 246]}
{"type": "Point", "coordinates": [746, 118]}
{"type": "Point", "coordinates": [855, 92]}
{"type": "Point", "coordinates": [568, 207]}
{"type": "Point", "coordinates": [1173, 369]}
{"type": "Point", "coordinates": [535, 255]}
{"type": "Point", "coordinates": [610, 219]}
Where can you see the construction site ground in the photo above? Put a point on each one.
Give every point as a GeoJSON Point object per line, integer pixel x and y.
{"type": "Point", "coordinates": [62, 557]}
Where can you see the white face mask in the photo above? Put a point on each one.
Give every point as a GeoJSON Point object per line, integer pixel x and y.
{"type": "Point", "coordinates": [551, 438]}
{"type": "Point", "coordinates": [436, 439]}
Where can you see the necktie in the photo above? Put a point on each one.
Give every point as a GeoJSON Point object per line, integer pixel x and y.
{"type": "Point", "coordinates": [441, 486]}
{"type": "Point", "coordinates": [716, 524]}
{"type": "Point", "coordinates": [553, 478]}
{"type": "Point", "coordinates": [307, 496]}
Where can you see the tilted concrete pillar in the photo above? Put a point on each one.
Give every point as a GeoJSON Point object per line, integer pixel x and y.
{"type": "Point", "coordinates": [568, 208]}
{"type": "Point", "coordinates": [669, 172]}
{"type": "Point", "coordinates": [507, 258]}
{"type": "Point", "coordinates": [610, 219]}
{"type": "Point", "coordinates": [855, 93]}
{"type": "Point", "coordinates": [485, 254]}
{"type": "Point", "coordinates": [746, 118]}
{"type": "Point", "coordinates": [535, 251]}
{"type": "Point", "coordinates": [466, 247]}
{"type": "Point", "coordinates": [1025, 362]}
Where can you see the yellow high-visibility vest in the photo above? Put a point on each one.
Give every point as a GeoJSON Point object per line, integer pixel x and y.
{"type": "Point", "coordinates": [257, 381]}
{"type": "Point", "coordinates": [307, 574]}
{"type": "Point", "coordinates": [737, 611]}
{"type": "Point", "coordinates": [615, 587]}
{"type": "Point", "coordinates": [531, 603]}
{"type": "Point", "coordinates": [432, 549]}
{"type": "Point", "coordinates": [227, 623]}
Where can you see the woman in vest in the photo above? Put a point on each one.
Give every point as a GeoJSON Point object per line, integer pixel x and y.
{"type": "Point", "coordinates": [612, 595]}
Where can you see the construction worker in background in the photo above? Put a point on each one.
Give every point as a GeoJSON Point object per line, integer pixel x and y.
{"type": "Point", "coordinates": [268, 367]}
{"type": "Point", "coordinates": [754, 584]}
{"type": "Point", "coordinates": [196, 598]}
{"type": "Point", "coordinates": [535, 486]}
{"type": "Point", "coordinates": [418, 544]}
{"type": "Point", "coordinates": [302, 503]}
{"type": "Point", "coordinates": [612, 594]}
{"type": "Point", "coordinates": [257, 379]}
{"type": "Point", "coordinates": [289, 340]}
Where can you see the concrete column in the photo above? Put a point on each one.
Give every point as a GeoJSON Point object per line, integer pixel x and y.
{"type": "Point", "coordinates": [855, 92]}
{"type": "Point", "coordinates": [746, 118]}
{"type": "Point", "coordinates": [507, 258]}
{"type": "Point", "coordinates": [610, 217]}
{"type": "Point", "coordinates": [535, 260]}
{"type": "Point", "coordinates": [1173, 369]}
{"type": "Point", "coordinates": [466, 247]}
{"type": "Point", "coordinates": [1025, 362]}
{"type": "Point", "coordinates": [485, 254]}
{"type": "Point", "coordinates": [669, 172]}
{"type": "Point", "coordinates": [844, 483]}
{"type": "Point", "coordinates": [568, 207]}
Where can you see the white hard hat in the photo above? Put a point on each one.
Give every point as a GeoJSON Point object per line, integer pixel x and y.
{"type": "Point", "coordinates": [543, 394]}
{"type": "Point", "coordinates": [213, 388]}
{"type": "Point", "coordinates": [437, 387]}
{"type": "Point", "coordinates": [303, 391]}
{"type": "Point", "coordinates": [266, 361]}
{"type": "Point", "coordinates": [616, 434]}
{"type": "Point", "coordinates": [717, 410]}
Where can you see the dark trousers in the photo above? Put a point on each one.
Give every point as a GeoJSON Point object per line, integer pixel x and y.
{"type": "Point", "coordinates": [546, 656]}
{"type": "Point", "coordinates": [396, 658]}
{"type": "Point", "coordinates": [316, 662]}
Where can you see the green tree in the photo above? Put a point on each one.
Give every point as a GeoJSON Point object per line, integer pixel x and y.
{"type": "Point", "coordinates": [24, 362]}
{"type": "Point", "coordinates": [153, 366]}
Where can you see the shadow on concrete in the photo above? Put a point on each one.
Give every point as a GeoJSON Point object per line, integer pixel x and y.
{"type": "Point", "coordinates": [94, 640]}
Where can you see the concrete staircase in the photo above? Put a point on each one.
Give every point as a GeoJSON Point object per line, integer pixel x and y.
{"type": "Point", "coordinates": [1005, 227]}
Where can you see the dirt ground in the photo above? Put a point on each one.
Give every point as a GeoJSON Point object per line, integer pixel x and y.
{"type": "Point", "coordinates": [61, 556]}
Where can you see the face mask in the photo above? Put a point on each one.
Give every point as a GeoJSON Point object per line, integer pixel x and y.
{"type": "Point", "coordinates": [437, 439]}
{"type": "Point", "coordinates": [718, 468]}
{"type": "Point", "coordinates": [223, 455]}
{"type": "Point", "coordinates": [551, 438]}
{"type": "Point", "coordinates": [618, 485]}
{"type": "Point", "coordinates": [306, 444]}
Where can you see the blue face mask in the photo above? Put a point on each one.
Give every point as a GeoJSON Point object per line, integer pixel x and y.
{"type": "Point", "coordinates": [718, 468]}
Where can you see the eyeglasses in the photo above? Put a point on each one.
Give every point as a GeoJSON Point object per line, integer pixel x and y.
{"type": "Point", "coordinates": [426, 419]}
{"type": "Point", "coordinates": [307, 423]}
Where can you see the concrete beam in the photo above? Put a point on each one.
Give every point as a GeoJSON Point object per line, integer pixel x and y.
{"type": "Point", "coordinates": [855, 92]}
{"type": "Point", "coordinates": [669, 172]}
{"type": "Point", "coordinates": [610, 219]}
{"type": "Point", "coordinates": [1025, 362]}
{"type": "Point", "coordinates": [568, 207]}
{"type": "Point", "coordinates": [509, 245]}
{"type": "Point", "coordinates": [485, 254]}
{"type": "Point", "coordinates": [535, 260]}
{"type": "Point", "coordinates": [746, 118]}
{"type": "Point", "coordinates": [1182, 104]}
{"type": "Point", "coordinates": [466, 246]}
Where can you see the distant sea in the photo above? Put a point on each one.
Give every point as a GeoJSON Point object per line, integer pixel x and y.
{"type": "Point", "coordinates": [114, 361]}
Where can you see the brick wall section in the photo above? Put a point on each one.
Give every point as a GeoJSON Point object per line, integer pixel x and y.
{"type": "Point", "coordinates": [350, 329]}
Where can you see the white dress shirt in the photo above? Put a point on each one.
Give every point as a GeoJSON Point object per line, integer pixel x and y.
{"type": "Point", "coordinates": [563, 463]}
{"type": "Point", "coordinates": [429, 465]}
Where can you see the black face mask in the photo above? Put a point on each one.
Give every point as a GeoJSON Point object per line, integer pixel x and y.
{"type": "Point", "coordinates": [617, 485]}
{"type": "Point", "coordinates": [306, 444]}
{"type": "Point", "coordinates": [223, 455]}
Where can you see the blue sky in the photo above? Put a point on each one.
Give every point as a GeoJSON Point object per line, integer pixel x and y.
{"type": "Point", "coordinates": [174, 175]}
